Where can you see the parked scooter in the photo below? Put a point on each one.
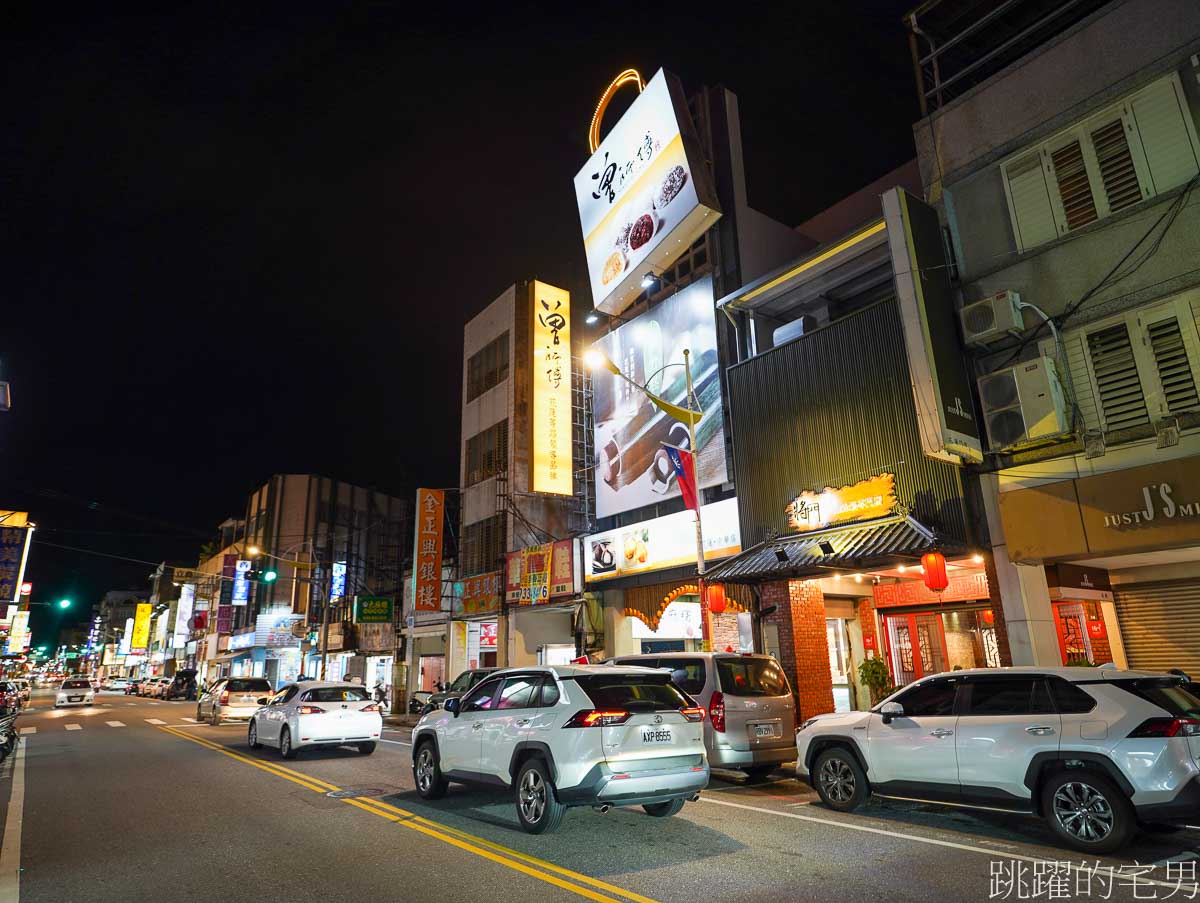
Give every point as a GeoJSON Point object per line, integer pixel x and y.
{"type": "Point", "coordinates": [8, 735]}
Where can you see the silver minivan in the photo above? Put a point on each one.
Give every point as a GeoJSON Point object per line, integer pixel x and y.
{"type": "Point", "coordinates": [752, 717]}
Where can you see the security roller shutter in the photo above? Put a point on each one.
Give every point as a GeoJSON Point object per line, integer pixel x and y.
{"type": "Point", "coordinates": [1160, 625]}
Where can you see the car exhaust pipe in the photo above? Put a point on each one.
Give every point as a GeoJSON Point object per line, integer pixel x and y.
{"type": "Point", "coordinates": [603, 808]}
{"type": "Point", "coordinates": [695, 797]}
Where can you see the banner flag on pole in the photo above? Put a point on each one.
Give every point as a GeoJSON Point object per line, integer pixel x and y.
{"type": "Point", "coordinates": [684, 465]}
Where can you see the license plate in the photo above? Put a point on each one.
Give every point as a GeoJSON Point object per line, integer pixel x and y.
{"type": "Point", "coordinates": [74, 699]}
{"type": "Point", "coordinates": [656, 735]}
{"type": "Point", "coordinates": [764, 730]}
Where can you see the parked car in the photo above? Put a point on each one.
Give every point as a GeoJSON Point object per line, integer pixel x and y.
{"type": "Point", "coordinates": [182, 685]}
{"type": "Point", "coordinates": [152, 687]}
{"type": "Point", "coordinates": [26, 690]}
{"type": "Point", "coordinates": [561, 736]}
{"type": "Point", "coordinates": [317, 713]}
{"type": "Point", "coordinates": [232, 699]}
{"type": "Point", "coordinates": [751, 714]}
{"type": "Point", "coordinates": [134, 687]}
{"type": "Point", "coordinates": [75, 691]}
{"type": "Point", "coordinates": [1094, 752]}
{"type": "Point", "coordinates": [116, 685]}
{"type": "Point", "coordinates": [10, 698]}
{"type": "Point", "coordinates": [461, 685]}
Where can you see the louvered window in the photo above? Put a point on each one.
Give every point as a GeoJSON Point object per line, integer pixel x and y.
{"type": "Point", "coordinates": [1137, 149]}
{"type": "Point", "coordinates": [1117, 172]}
{"type": "Point", "coordinates": [1074, 189]}
{"type": "Point", "coordinates": [1122, 401]}
{"type": "Point", "coordinates": [1174, 370]}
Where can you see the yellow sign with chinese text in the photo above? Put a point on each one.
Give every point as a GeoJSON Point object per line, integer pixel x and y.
{"type": "Point", "coordinates": [864, 500]}
{"type": "Point", "coordinates": [550, 436]}
{"type": "Point", "coordinates": [141, 628]}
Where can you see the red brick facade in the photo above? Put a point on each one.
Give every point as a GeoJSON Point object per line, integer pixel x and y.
{"type": "Point", "coordinates": [803, 649]}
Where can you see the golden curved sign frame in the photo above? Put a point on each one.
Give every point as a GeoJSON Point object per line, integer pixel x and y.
{"type": "Point", "coordinates": [628, 77]}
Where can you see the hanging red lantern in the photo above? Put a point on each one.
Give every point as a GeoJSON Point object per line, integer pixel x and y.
{"type": "Point", "coordinates": [716, 598]}
{"type": "Point", "coordinates": [934, 566]}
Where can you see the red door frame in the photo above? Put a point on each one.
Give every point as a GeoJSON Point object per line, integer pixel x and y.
{"type": "Point", "coordinates": [918, 664]}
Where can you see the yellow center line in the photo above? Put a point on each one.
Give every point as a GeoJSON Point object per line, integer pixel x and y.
{"type": "Point", "coordinates": [485, 849]}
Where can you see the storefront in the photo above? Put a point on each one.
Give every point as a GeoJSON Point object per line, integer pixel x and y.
{"type": "Point", "coordinates": [545, 610]}
{"type": "Point", "coordinates": [475, 629]}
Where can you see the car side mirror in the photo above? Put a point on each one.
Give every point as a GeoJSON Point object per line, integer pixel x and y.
{"type": "Point", "coordinates": [452, 706]}
{"type": "Point", "coordinates": [890, 710]}
{"type": "Point", "coordinates": [262, 700]}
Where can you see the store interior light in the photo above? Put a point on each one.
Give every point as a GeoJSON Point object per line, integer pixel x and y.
{"type": "Point", "coordinates": [900, 569]}
{"type": "Point", "coordinates": [977, 558]}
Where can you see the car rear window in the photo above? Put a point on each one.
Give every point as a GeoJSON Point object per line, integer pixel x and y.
{"type": "Point", "coordinates": [336, 694]}
{"type": "Point", "coordinates": [686, 673]}
{"type": "Point", "coordinates": [75, 684]}
{"type": "Point", "coordinates": [633, 691]}
{"type": "Point", "coordinates": [751, 677]}
{"type": "Point", "coordinates": [1177, 698]}
{"type": "Point", "coordinates": [246, 685]}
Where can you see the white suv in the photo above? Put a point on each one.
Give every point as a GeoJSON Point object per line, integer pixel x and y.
{"type": "Point", "coordinates": [1093, 751]}
{"type": "Point", "coordinates": [563, 736]}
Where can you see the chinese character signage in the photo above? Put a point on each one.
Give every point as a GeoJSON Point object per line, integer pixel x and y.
{"type": "Point", "coordinates": [141, 628]}
{"type": "Point", "coordinates": [183, 614]}
{"type": "Point", "coordinates": [538, 574]}
{"type": "Point", "coordinates": [562, 568]}
{"type": "Point", "coordinates": [664, 542]}
{"type": "Point", "coordinates": [372, 610]}
{"type": "Point", "coordinates": [337, 582]}
{"type": "Point", "coordinates": [427, 552]}
{"type": "Point", "coordinates": [830, 507]}
{"type": "Point", "coordinates": [241, 586]}
{"type": "Point", "coordinates": [488, 635]}
{"type": "Point", "coordinates": [550, 435]}
{"type": "Point", "coordinates": [127, 638]}
{"type": "Point", "coordinates": [535, 575]}
{"type": "Point", "coordinates": [632, 467]}
{"type": "Point", "coordinates": [18, 636]}
{"type": "Point", "coordinates": [479, 595]}
{"type": "Point", "coordinates": [13, 542]}
{"type": "Point", "coordinates": [647, 189]}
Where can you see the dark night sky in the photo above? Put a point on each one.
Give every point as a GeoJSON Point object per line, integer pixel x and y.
{"type": "Point", "coordinates": [243, 239]}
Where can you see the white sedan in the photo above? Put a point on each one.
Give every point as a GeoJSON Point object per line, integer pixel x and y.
{"type": "Point", "coordinates": [75, 691]}
{"type": "Point", "coordinates": [317, 713]}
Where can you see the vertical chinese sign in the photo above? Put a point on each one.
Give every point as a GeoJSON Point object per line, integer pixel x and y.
{"type": "Point", "coordinates": [225, 600]}
{"type": "Point", "coordinates": [14, 551]}
{"type": "Point", "coordinates": [141, 628]}
{"type": "Point", "coordinates": [550, 436]}
{"type": "Point", "coordinates": [427, 551]}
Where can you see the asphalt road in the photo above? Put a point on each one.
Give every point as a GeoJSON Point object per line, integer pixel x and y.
{"type": "Point", "coordinates": [131, 800]}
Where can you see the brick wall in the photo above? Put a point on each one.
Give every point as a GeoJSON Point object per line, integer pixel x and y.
{"type": "Point", "coordinates": [725, 631]}
{"type": "Point", "coordinates": [803, 649]}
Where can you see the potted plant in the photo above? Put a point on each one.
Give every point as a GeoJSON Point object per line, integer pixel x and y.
{"type": "Point", "coordinates": [873, 674]}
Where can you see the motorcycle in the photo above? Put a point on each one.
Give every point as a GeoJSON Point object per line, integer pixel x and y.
{"type": "Point", "coordinates": [8, 735]}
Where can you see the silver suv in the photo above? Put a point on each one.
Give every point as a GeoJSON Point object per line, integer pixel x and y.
{"type": "Point", "coordinates": [751, 723]}
{"type": "Point", "coordinates": [562, 736]}
{"type": "Point", "coordinates": [1094, 752]}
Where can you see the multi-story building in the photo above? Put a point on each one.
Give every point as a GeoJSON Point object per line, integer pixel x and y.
{"type": "Point", "coordinates": [1060, 141]}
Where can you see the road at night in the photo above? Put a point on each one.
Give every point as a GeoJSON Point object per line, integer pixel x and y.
{"type": "Point", "coordinates": [123, 807]}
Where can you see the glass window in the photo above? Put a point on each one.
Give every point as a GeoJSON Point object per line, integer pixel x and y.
{"type": "Point", "coordinates": [745, 676]}
{"type": "Point", "coordinates": [518, 692]}
{"type": "Point", "coordinates": [1008, 696]}
{"type": "Point", "coordinates": [480, 698]}
{"type": "Point", "coordinates": [633, 691]}
{"type": "Point", "coordinates": [550, 694]}
{"type": "Point", "coordinates": [1068, 698]}
{"type": "Point", "coordinates": [463, 682]}
{"type": "Point", "coordinates": [247, 685]}
{"type": "Point", "coordinates": [75, 684]}
{"type": "Point", "coordinates": [336, 694]}
{"type": "Point", "coordinates": [930, 699]}
{"type": "Point", "coordinates": [686, 673]}
{"type": "Point", "coordinates": [1180, 700]}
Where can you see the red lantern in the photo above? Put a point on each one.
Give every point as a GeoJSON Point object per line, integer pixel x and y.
{"type": "Point", "coordinates": [934, 566]}
{"type": "Point", "coordinates": [716, 598]}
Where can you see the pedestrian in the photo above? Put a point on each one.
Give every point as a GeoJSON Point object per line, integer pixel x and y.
{"type": "Point", "coordinates": [380, 691]}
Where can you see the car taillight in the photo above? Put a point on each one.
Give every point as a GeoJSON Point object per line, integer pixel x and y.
{"type": "Point", "coordinates": [716, 711]}
{"type": "Point", "coordinates": [693, 713]}
{"type": "Point", "coordinates": [1167, 727]}
{"type": "Point", "coordinates": [311, 710]}
{"type": "Point", "coordinates": [224, 697]}
{"type": "Point", "coordinates": [597, 718]}
{"type": "Point", "coordinates": [373, 707]}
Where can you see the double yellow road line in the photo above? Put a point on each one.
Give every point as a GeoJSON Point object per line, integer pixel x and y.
{"type": "Point", "coordinates": [574, 882]}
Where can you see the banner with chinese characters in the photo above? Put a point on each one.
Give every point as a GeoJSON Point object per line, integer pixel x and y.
{"type": "Point", "coordinates": [538, 574]}
{"type": "Point", "coordinates": [372, 610]}
{"type": "Point", "coordinates": [427, 551]}
{"type": "Point", "coordinates": [512, 576]}
{"type": "Point", "coordinates": [550, 436]}
{"type": "Point", "coordinates": [18, 637]}
{"type": "Point", "coordinates": [535, 574]}
{"type": "Point", "coordinates": [478, 595]}
{"type": "Point", "coordinates": [562, 568]}
{"type": "Point", "coordinates": [13, 548]}
{"type": "Point", "coordinates": [141, 628]}
{"type": "Point", "coordinates": [864, 500]}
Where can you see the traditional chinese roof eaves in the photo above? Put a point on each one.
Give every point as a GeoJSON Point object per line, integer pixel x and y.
{"type": "Point", "coordinates": [862, 547]}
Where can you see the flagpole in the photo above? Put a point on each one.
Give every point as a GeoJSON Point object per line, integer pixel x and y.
{"type": "Point", "coordinates": [706, 633]}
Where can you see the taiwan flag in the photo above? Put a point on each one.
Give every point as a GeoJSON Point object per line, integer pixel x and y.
{"type": "Point", "coordinates": [684, 466]}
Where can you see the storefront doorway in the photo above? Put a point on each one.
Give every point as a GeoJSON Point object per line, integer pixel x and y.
{"type": "Point", "coordinates": [432, 672]}
{"type": "Point", "coordinates": [838, 639]}
{"type": "Point", "coordinates": [928, 642]}
{"type": "Point", "coordinates": [1070, 621]}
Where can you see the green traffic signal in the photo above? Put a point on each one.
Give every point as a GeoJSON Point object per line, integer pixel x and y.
{"type": "Point", "coordinates": [64, 603]}
{"type": "Point", "coordinates": [269, 576]}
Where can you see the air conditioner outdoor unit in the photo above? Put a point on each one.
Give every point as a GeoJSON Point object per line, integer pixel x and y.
{"type": "Point", "coordinates": [991, 319]}
{"type": "Point", "coordinates": [1023, 404]}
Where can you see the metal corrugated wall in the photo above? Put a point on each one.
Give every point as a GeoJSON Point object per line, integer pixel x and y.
{"type": "Point", "coordinates": [830, 409]}
{"type": "Point", "coordinates": [1160, 625]}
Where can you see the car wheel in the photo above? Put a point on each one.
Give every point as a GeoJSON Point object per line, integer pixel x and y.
{"type": "Point", "coordinates": [427, 773]}
{"type": "Point", "coordinates": [214, 717]}
{"type": "Point", "coordinates": [285, 744]}
{"type": "Point", "coordinates": [538, 807]}
{"type": "Point", "coordinates": [758, 772]}
{"type": "Point", "coordinates": [367, 748]}
{"type": "Point", "coordinates": [199, 715]}
{"type": "Point", "coordinates": [1087, 811]}
{"type": "Point", "coordinates": [252, 736]}
{"type": "Point", "coordinates": [664, 810]}
{"type": "Point", "coordinates": [839, 780]}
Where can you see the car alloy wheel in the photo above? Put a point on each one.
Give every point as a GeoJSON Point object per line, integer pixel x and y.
{"type": "Point", "coordinates": [533, 796]}
{"type": "Point", "coordinates": [1083, 811]}
{"type": "Point", "coordinates": [837, 780]}
{"type": "Point", "coordinates": [425, 769]}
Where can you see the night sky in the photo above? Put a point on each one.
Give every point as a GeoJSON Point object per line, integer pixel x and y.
{"type": "Point", "coordinates": [243, 239]}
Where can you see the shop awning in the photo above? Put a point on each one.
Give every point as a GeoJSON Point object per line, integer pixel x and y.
{"type": "Point", "coordinates": [859, 548]}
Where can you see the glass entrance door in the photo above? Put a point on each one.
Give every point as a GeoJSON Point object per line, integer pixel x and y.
{"type": "Point", "coordinates": [916, 644]}
{"type": "Point", "coordinates": [839, 662]}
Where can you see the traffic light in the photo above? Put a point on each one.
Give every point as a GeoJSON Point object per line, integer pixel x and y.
{"type": "Point", "coordinates": [261, 575]}
{"type": "Point", "coordinates": [64, 603]}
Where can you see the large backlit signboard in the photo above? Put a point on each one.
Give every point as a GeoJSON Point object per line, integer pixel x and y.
{"type": "Point", "coordinates": [427, 550]}
{"type": "Point", "coordinates": [550, 455]}
{"type": "Point", "coordinates": [183, 614]}
{"type": "Point", "coordinates": [644, 196]}
{"type": "Point", "coordinates": [141, 628]}
{"type": "Point", "coordinates": [632, 469]}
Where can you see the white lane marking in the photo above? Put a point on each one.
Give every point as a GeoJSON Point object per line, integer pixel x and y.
{"type": "Point", "coordinates": [131, 703]}
{"type": "Point", "coordinates": [192, 720]}
{"type": "Point", "coordinates": [73, 727]}
{"type": "Point", "coordinates": [28, 730]}
{"type": "Point", "coordinates": [153, 721]}
{"type": "Point", "coordinates": [10, 854]}
{"type": "Point", "coordinates": [115, 723]}
{"type": "Point", "coordinates": [1113, 873]}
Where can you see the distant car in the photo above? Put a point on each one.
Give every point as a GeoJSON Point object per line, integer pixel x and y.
{"type": "Point", "coordinates": [232, 699]}
{"type": "Point", "coordinates": [465, 682]}
{"type": "Point", "coordinates": [10, 698]}
{"type": "Point", "coordinates": [26, 690]}
{"type": "Point", "coordinates": [151, 687]}
{"type": "Point", "coordinates": [75, 691]}
{"type": "Point", "coordinates": [317, 713]}
{"type": "Point", "coordinates": [133, 687]}
{"type": "Point", "coordinates": [116, 685]}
